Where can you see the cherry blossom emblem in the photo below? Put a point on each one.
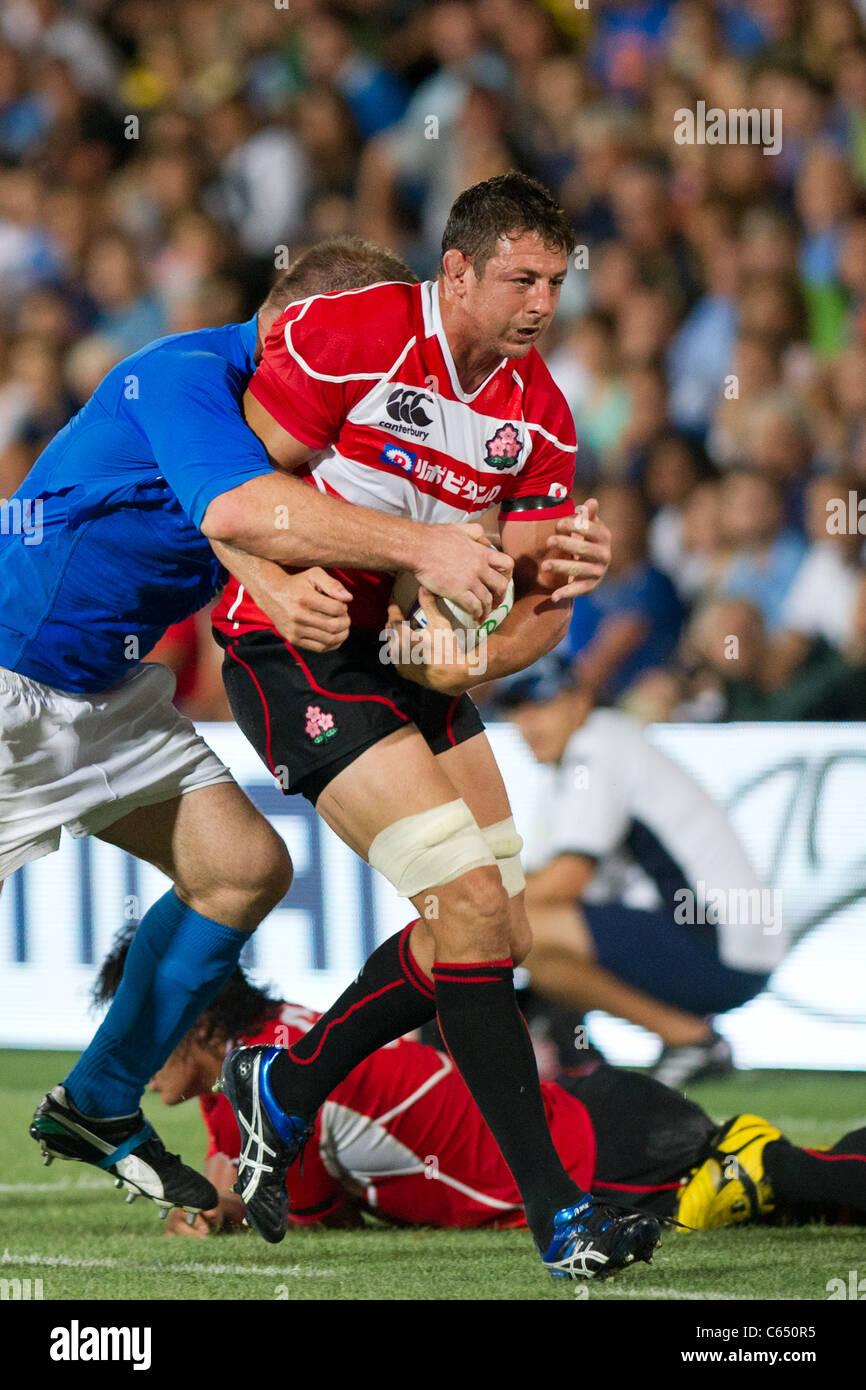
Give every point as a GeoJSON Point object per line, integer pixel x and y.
{"type": "Point", "coordinates": [319, 726]}
{"type": "Point", "coordinates": [503, 449]}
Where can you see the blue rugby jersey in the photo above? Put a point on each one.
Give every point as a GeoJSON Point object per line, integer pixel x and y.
{"type": "Point", "coordinates": [110, 553]}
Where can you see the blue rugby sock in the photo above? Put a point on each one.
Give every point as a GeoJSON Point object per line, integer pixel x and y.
{"type": "Point", "coordinates": [177, 963]}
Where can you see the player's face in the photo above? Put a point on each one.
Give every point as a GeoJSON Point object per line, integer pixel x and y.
{"type": "Point", "coordinates": [516, 297]}
{"type": "Point", "coordinates": [546, 727]}
{"type": "Point", "coordinates": [185, 1074]}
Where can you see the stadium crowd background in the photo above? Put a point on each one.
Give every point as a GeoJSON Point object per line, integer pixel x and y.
{"type": "Point", "coordinates": [156, 156]}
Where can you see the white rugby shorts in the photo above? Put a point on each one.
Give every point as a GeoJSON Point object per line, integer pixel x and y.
{"type": "Point", "coordinates": [81, 762]}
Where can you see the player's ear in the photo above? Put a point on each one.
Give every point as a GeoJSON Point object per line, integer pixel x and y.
{"type": "Point", "coordinates": [455, 268]}
{"type": "Point", "coordinates": [267, 317]}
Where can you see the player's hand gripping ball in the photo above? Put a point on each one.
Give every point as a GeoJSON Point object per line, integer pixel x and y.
{"type": "Point", "coordinates": [405, 595]}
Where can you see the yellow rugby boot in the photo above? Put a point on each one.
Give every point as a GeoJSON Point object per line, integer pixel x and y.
{"type": "Point", "coordinates": [730, 1186]}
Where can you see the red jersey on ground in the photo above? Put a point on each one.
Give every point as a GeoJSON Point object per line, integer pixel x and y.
{"type": "Point", "coordinates": [367, 378]}
{"type": "Point", "coordinates": [403, 1133]}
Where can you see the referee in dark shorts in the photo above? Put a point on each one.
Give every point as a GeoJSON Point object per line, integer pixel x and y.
{"type": "Point", "coordinates": [642, 898]}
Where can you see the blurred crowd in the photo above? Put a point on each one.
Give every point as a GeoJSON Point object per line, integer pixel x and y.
{"type": "Point", "coordinates": [158, 159]}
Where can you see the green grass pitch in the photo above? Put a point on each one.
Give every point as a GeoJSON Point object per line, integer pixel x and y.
{"type": "Point", "coordinates": [67, 1226]}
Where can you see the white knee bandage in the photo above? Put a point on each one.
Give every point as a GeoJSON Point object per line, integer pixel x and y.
{"type": "Point", "coordinates": [506, 845]}
{"type": "Point", "coordinates": [431, 848]}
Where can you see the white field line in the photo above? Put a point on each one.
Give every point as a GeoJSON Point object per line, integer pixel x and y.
{"type": "Point", "coordinates": [81, 1185]}
{"type": "Point", "coordinates": [297, 1271]}
{"type": "Point", "coordinates": [70, 1262]}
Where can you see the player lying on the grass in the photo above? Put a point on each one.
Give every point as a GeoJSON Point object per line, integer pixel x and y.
{"type": "Point", "coordinates": [642, 899]}
{"type": "Point", "coordinates": [90, 739]}
{"type": "Point", "coordinates": [431, 401]}
{"type": "Point", "coordinates": [402, 1137]}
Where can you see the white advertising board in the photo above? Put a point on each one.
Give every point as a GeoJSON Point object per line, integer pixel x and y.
{"type": "Point", "coordinates": [797, 796]}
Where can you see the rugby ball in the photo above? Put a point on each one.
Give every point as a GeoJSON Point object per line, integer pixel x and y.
{"type": "Point", "coordinates": [405, 595]}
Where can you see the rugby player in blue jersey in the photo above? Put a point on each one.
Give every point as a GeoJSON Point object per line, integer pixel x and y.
{"type": "Point", "coordinates": [90, 739]}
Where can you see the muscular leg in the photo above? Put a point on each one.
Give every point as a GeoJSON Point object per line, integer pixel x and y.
{"type": "Point", "coordinates": [474, 774]}
{"type": "Point", "coordinates": [403, 965]}
{"type": "Point", "coordinates": [224, 858]}
{"type": "Point", "coordinates": [470, 929]}
{"type": "Point", "coordinates": [229, 869]}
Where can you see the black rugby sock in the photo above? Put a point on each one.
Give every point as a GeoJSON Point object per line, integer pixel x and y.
{"type": "Point", "coordinates": [485, 1033]}
{"type": "Point", "coordinates": [837, 1176]}
{"type": "Point", "coordinates": [390, 997]}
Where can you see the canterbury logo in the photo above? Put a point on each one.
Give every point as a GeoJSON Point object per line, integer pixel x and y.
{"type": "Point", "coordinates": [408, 406]}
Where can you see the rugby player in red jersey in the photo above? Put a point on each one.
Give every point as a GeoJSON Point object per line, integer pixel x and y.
{"type": "Point", "coordinates": [425, 403]}
{"type": "Point", "coordinates": [402, 1138]}
{"type": "Point", "coordinates": [90, 738]}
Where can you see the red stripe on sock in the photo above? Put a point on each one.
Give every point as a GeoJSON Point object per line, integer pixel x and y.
{"type": "Point", "coordinates": [420, 978]}
{"type": "Point", "coordinates": [411, 969]}
{"type": "Point", "coordinates": [302, 1061]}
{"type": "Point", "coordinates": [467, 979]}
{"type": "Point", "coordinates": [836, 1158]}
{"type": "Point", "coordinates": [472, 964]}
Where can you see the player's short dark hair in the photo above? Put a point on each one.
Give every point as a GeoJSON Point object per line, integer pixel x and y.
{"type": "Point", "coordinates": [240, 1008]}
{"type": "Point", "coordinates": [509, 205]}
{"type": "Point", "coordinates": [339, 263]}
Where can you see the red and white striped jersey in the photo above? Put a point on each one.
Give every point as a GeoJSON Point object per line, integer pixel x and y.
{"type": "Point", "coordinates": [366, 378]}
{"type": "Point", "coordinates": [403, 1134]}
